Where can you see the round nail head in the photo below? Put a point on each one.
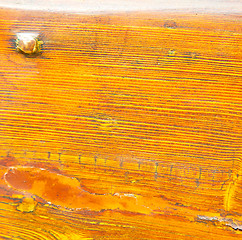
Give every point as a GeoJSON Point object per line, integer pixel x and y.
{"type": "Point", "coordinates": [28, 43]}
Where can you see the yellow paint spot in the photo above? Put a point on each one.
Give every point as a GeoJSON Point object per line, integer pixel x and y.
{"type": "Point", "coordinates": [233, 193]}
{"type": "Point", "coordinates": [27, 205]}
{"type": "Point", "coordinates": [229, 196]}
{"type": "Point", "coordinates": [18, 196]}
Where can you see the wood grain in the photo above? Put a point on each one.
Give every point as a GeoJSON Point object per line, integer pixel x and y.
{"type": "Point", "coordinates": [145, 105]}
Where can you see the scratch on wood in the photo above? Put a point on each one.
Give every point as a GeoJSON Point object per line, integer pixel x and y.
{"type": "Point", "coordinates": [235, 224]}
{"type": "Point", "coordinates": [121, 163]}
{"type": "Point", "coordinates": [171, 172]}
{"type": "Point", "coordinates": [59, 157]}
{"type": "Point", "coordinates": [199, 178]}
{"type": "Point", "coordinates": [139, 163]}
{"type": "Point", "coordinates": [156, 170]}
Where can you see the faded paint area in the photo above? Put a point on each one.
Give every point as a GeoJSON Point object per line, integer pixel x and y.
{"type": "Point", "coordinates": [66, 192]}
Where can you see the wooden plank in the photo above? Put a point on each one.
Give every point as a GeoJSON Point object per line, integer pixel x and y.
{"type": "Point", "coordinates": [134, 106]}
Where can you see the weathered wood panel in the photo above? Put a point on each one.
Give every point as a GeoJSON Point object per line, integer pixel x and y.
{"type": "Point", "coordinates": [143, 107]}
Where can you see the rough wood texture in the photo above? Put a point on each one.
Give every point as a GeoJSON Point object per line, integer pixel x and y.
{"type": "Point", "coordinates": [136, 115]}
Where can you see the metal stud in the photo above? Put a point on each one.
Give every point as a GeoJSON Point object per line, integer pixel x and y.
{"type": "Point", "coordinates": [28, 43]}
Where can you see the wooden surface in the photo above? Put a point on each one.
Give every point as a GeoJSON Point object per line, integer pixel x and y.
{"type": "Point", "coordinates": [126, 126]}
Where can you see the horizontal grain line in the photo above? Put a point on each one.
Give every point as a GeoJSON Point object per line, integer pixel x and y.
{"type": "Point", "coordinates": [193, 146]}
{"type": "Point", "coordinates": [129, 123]}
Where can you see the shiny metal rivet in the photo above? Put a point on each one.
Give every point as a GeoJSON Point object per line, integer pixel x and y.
{"type": "Point", "coordinates": [28, 43]}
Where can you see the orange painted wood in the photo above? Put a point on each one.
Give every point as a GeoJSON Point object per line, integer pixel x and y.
{"type": "Point", "coordinates": [125, 126]}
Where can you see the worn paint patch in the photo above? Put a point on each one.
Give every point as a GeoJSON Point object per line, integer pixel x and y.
{"type": "Point", "coordinates": [66, 192]}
